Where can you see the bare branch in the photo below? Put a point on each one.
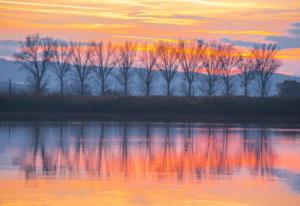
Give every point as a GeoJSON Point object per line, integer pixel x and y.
{"type": "Point", "coordinates": [211, 67]}
{"type": "Point", "coordinates": [61, 62]}
{"type": "Point", "coordinates": [246, 72]}
{"type": "Point", "coordinates": [167, 63]}
{"type": "Point", "coordinates": [125, 57]}
{"type": "Point", "coordinates": [265, 63]}
{"type": "Point", "coordinates": [229, 59]}
{"type": "Point", "coordinates": [190, 59]}
{"type": "Point", "coordinates": [35, 55]}
{"type": "Point", "coordinates": [103, 62]}
{"type": "Point", "coordinates": [81, 58]}
{"type": "Point", "coordinates": [148, 59]}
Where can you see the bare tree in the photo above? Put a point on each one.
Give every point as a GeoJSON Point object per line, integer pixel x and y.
{"type": "Point", "coordinates": [167, 63]}
{"type": "Point", "coordinates": [190, 57]}
{"type": "Point", "coordinates": [103, 61]}
{"type": "Point", "coordinates": [61, 62]}
{"type": "Point", "coordinates": [148, 59]}
{"type": "Point", "coordinates": [211, 67]}
{"type": "Point", "coordinates": [228, 62]}
{"type": "Point", "coordinates": [34, 56]}
{"type": "Point", "coordinates": [265, 63]}
{"type": "Point", "coordinates": [81, 58]}
{"type": "Point", "coordinates": [125, 56]}
{"type": "Point", "coordinates": [246, 72]}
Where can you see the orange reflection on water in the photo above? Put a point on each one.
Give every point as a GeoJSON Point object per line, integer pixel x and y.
{"type": "Point", "coordinates": [239, 191]}
{"type": "Point", "coordinates": [149, 164]}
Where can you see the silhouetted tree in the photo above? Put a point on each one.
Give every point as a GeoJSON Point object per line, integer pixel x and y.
{"type": "Point", "coordinates": [61, 62]}
{"type": "Point", "coordinates": [211, 67]}
{"type": "Point", "coordinates": [167, 63]}
{"type": "Point", "coordinates": [289, 88]}
{"type": "Point", "coordinates": [81, 58]}
{"type": "Point", "coordinates": [148, 59]}
{"type": "Point", "coordinates": [35, 55]}
{"type": "Point", "coordinates": [104, 62]}
{"type": "Point", "coordinates": [9, 86]}
{"type": "Point", "coordinates": [229, 60]}
{"type": "Point", "coordinates": [246, 72]}
{"type": "Point", "coordinates": [190, 57]}
{"type": "Point", "coordinates": [125, 57]}
{"type": "Point", "coordinates": [265, 63]}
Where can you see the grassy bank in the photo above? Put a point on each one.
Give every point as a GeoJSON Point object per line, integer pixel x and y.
{"type": "Point", "coordinates": [149, 105]}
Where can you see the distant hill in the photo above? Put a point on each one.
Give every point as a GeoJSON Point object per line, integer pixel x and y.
{"type": "Point", "coordinates": [11, 70]}
{"type": "Point", "coordinates": [19, 88]}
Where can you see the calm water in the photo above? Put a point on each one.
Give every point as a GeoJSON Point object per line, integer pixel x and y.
{"type": "Point", "coordinates": [101, 163]}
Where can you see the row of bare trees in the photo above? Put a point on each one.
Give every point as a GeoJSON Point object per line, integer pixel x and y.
{"type": "Point", "coordinates": [210, 63]}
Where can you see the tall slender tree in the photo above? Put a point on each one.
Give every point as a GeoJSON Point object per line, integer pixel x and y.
{"type": "Point", "coordinates": [148, 59]}
{"type": "Point", "coordinates": [246, 73]}
{"type": "Point", "coordinates": [167, 63]}
{"type": "Point", "coordinates": [125, 57]}
{"type": "Point", "coordinates": [211, 67]}
{"type": "Point", "coordinates": [103, 62]}
{"type": "Point", "coordinates": [265, 64]}
{"type": "Point", "coordinates": [81, 58]}
{"type": "Point", "coordinates": [229, 58]}
{"type": "Point", "coordinates": [34, 56]}
{"type": "Point", "coordinates": [190, 59]}
{"type": "Point", "coordinates": [61, 62]}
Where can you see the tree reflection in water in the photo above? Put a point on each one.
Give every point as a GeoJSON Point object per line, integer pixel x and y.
{"type": "Point", "coordinates": [162, 151]}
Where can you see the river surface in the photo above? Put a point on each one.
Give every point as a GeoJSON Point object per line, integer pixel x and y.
{"type": "Point", "coordinates": [140, 163]}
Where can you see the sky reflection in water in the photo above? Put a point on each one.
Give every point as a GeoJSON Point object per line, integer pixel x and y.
{"type": "Point", "coordinates": [64, 163]}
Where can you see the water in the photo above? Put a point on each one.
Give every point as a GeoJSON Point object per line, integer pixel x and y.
{"type": "Point", "coordinates": [118, 163]}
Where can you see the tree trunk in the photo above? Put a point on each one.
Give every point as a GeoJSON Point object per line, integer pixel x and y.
{"type": "Point", "coordinates": [227, 90]}
{"type": "Point", "coordinates": [38, 87]}
{"type": "Point", "coordinates": [148, 90]}
{"type": "Point", "coordinates": [125, 88]}
{"type": "Point", "coordinates": [227, 85]}
{"type": "Point", "coordinates": [246, 90]}
{"type": "Point", "coordinates": [81, 87]}
{"type": "Point", "coordinates": [209, 87]}
{"type": "Point", "coordinates": [263, 89]}
{"type": "Point", "coordinates": [102, 87]}
{"type": "Point", "coordinates": [190, 89]}
{"type": "Point", "coordinates": [61, 87]}
{"type": "Point", "coordinates": [209, 90]}
{"type": "Point", "coordinates": [9, 86]}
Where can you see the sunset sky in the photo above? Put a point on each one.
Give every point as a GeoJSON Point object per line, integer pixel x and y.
{"type": "Point", "coordinates": [241, 22]}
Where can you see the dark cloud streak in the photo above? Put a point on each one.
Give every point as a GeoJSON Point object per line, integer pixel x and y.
{"type": "Point", "coordinates": [239, 43]}
{"type": "Point", "coordinates": [290, 41]}
{"type": "Point", "coordinates": [284, 42]}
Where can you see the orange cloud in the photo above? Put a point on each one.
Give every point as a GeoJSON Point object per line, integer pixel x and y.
{"type": "Point", "coordinates": [249, 20]}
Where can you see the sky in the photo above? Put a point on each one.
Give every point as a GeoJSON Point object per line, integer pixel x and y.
{"type": "Point", "coordinates": [243, 22]}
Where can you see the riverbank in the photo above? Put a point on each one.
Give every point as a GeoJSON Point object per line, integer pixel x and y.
{"type": "Point", "coordinates": [180, 118]}
{"type": "Point", "coordinates": [152, 108]}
